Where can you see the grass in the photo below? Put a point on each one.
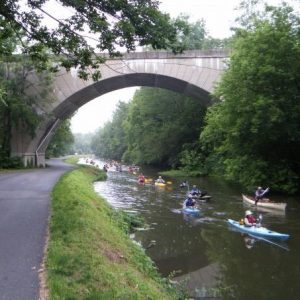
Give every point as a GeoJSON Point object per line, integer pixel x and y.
{"type": "Point", "coordinates": [72, 159]}
{"type": "Point", "coordinates": [89, 255]}
{"type": "Point", "coordinates": [181, 173]}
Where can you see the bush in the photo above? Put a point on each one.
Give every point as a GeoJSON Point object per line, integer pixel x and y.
{"type": "Point", "coordinates": [11, 163]}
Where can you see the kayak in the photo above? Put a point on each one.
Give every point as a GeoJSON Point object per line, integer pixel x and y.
{"type": "Point", "coordinates": [204, 198]}
{"type": "Point", "coordinates": [148, 180]}
{"type": "Point", "coordinates": [160, 184]}
{"type": "Point", "coordinates": [191, 210]}
{"type": "Point", "coordinates": [264, 203]}
{"type": "Point", "coordinates": [258, 231]}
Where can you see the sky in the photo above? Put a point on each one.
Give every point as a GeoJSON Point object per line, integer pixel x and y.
{"type": "Point", "coordinates": [219, 16]}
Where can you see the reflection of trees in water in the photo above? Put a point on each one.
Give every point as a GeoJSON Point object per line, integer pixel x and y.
{"type": "Point", "coordinates": [257, 274]}
{"type": "Point", "coordinates": [180, 248]}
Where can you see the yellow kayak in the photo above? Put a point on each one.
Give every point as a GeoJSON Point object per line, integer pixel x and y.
{"type": "Point", "coordinates": [147, 180]}
{"type": "Point", "coordinates": [160, 184]}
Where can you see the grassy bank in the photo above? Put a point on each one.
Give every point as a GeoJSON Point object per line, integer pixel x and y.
{"type": "Point", "coordinates": [181, 173]}
{"type": "Point", "coordinates": [90, 256]}
{"type": "Point", "coordinates": [72, 159]}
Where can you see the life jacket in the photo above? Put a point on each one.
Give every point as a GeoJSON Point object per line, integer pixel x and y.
{"type": "Point", "coordinates": [189, 202]}
{"type": "Point", "coordinates": [251, 219]}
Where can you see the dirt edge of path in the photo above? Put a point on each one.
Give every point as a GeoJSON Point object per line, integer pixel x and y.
{"type": "Point", "coordinates": [43, 290]}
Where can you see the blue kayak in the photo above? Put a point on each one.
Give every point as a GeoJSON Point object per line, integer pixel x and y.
{"type": "Point", "coordinates": [191, 210]}
{"type": "Point", "coordinates": [258, 231]}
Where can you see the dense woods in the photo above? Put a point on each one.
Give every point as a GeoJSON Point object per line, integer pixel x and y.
{"type": "Point", "coordinates": [151, 129]}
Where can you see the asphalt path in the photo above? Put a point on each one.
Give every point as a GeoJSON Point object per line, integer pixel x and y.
{"type": "Point", "coordinates": [24, 210]}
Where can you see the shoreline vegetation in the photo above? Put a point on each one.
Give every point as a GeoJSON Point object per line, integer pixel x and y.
{"type": "Point", "coordinates": [90, 254]}
{"type": "Point", "coordinates": [181, 173]}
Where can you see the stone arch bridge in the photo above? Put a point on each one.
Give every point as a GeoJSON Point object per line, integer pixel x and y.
{"type": "Point", "coordinates": [193, 73]}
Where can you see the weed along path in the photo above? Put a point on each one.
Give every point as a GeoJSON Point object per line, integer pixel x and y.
{"type": "Point", "coordinates": [24, 211]}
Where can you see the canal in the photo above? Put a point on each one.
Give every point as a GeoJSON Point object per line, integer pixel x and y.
{"type": "Point", "coordinates": [202, 252]}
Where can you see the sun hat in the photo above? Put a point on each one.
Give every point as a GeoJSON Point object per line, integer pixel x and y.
{"type": "Point", "coordinates": [248, 212]}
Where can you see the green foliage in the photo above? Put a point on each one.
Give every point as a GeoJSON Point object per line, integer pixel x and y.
{"type": "Point", "coordinates": [89, 27]}
{"type": "Point", "coordinates": [20, 109]}
{"type": "Point", "coordinates": [10, 162]}
{"type": "Point", "coordinates": [17, 109]}
{"type": "Point", "coordinates": [109, 141]}
{"type": "Point", "coordinates": [159, 122]}
{"type": "Point", "coordinates": [252, 136]}
{"type": "Point", "coordinates": [151, 129]}
{"type": "Point", "coordinates": [62, 141]}
{"type": "Point", "coordinates": [82, 143]}
{"type": "Point", "coordinates": [127, 221]}
{"type": "Point", "coordinates": [194, 36]}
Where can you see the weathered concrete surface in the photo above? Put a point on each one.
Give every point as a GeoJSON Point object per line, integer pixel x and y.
{"type": "Point", "coordinates": [24, 211]}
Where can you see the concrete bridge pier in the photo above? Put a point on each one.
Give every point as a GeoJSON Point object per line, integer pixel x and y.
{"type": "Point", "coordinates": [32, 150]}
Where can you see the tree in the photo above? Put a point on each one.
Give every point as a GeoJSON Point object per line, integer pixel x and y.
{"type": "Point", "coordinates": [109, 141]}
{"type": "Point", "coordinates": [194, 35]}
{"type": "Point", "coordinates": [18, 109]}
{"type": "Point", "coordinates": [253, 135]}
{"type": "Point", "coordinates": [92, 26]}
{"type": "Point", "coordinates": [62, 141]}
{"type": "Point", "coordinates": [159, 123]}
{"type": "Point", "coordinates": [82, 143]}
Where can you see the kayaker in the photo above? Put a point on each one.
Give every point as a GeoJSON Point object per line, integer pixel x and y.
{"type": "Point", "coordinates": [183, 184]}
{"type": "Point", "coordinates": [260, 193]}
{"type": "Point", "coordinates": [189, 202]}
{"type": "Point", "coordinates": [197, 192]}
{"type": "Point", "coordinates": [159, 180]}
{"type": "Point", "coordinates": [250, 219]}
{"type": "Point", "coordinates": [141, 178]}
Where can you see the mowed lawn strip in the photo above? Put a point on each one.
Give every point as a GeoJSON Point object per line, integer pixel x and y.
{"type": "Point", "coordinates": [90, 255]}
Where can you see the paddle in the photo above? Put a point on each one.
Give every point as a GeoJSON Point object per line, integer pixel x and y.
{"type": "Point", "coordinates": [260, 218]}
{"type": "Point", "coordinates": [268, 241]}
{"type": "Point", "coordinates": [261, 196]}
{"type": "Point", "coordinates": [188, 187]}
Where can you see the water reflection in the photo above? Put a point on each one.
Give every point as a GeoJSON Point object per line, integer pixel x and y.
{"type": "Point", "coordinates": [201, 250]}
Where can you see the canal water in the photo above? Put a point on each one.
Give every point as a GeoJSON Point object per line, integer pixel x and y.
{"type": "Point", "coordinates": [202, 252]}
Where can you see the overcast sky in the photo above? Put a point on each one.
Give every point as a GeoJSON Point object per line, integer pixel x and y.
{"type": "Point", "coordinates": [219, 16]}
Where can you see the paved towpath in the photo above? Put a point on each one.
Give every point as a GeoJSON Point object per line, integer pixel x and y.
{"type": "Point", "coordinates": [24, 211]}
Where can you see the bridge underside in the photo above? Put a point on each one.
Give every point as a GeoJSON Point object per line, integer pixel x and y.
{"type": "Point", "coordinates": [78, 99]}
{"type": "Point", "coordinates": [34, 152]}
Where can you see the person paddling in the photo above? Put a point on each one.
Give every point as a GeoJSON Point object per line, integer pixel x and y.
{"type": "Point", "coordinates": [260, 193]}
{"type": "Point", "coordinates": [141, 178]}
{"type": "Point", "coordinates": [250, 219]}
{"type": "Point", "coordinates": [159, 180]}
{"type": "Point", "coordinates": [189, 202]}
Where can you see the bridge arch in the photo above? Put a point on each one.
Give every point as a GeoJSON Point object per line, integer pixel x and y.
{"type": "Point", "coordinates": [78, 99]}
{"type": "Point", "coordinates": [193, 74]}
